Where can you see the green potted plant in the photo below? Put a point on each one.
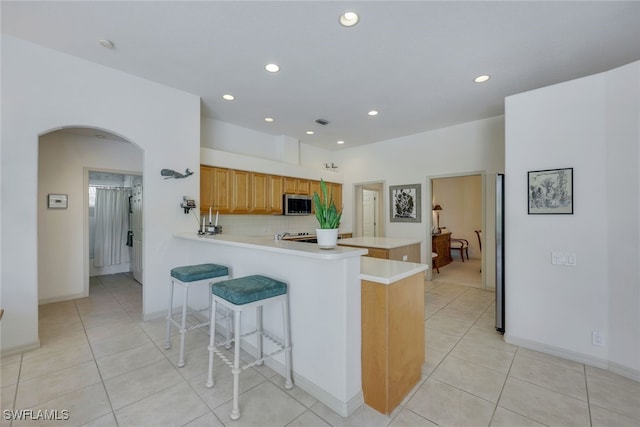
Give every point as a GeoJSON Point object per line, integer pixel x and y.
{"type": "Point", "coordinates": [328, 217]}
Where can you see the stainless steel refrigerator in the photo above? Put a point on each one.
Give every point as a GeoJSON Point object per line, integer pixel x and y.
{"type": "Point", "coordinates": [500, 253]}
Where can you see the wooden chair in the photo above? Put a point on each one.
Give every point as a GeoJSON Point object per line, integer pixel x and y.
{"type": "Point", "coordinates": [479, 234]}
{"type": "Point", "coordinates": [461, 245]}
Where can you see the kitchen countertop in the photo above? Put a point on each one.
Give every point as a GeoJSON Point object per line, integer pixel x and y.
{"type": "Point", "coordinates": [378, 242]}
{"type": "Point", "coordinates": [388, 271]}
{"type": "Point", "coordinates": [268, 243]}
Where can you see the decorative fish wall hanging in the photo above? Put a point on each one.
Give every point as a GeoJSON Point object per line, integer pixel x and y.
{"type": "Point", "coordinates": [170, 173]}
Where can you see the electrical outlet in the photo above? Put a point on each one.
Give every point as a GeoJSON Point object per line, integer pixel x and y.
{"type": "Point", "coordinates": [597, 338]}
{"type": "Point", "coordinates": [405, 257]}
{"type": "Point", "coordinates": [558, 258]}
{"type": "Point", "coordinates": [571, 259]}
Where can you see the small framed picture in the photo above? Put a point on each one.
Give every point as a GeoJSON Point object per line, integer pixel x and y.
{"type": "Point", "coordinates": [405, 202]}
{"type": "Point", "coordinates": [550, 191]}
{"type": "Point", "coordinates": [57, 201]}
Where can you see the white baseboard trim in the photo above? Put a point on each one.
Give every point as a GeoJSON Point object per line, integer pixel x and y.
{"type": "Point", "coordinates": [624, 371]}
{"type": "Point", "coordinates": [344, 409]}
{"type": "Point", "coordinates": [556, 351]}
{"type": "Point", "coordinates": [61, 299]}
{"type": "Point", "coordinates": [574, 356]}
{"type": "Point", "coordinates": [155, 315]}
{"type": "Point", "coordinates": [6, 352]}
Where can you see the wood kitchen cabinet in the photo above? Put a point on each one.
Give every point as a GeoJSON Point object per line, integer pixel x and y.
{"type": "Point", "coordinates": [276, 190]}
{"type": "Point", "coordinates": [260, 195]}
{"type": "Point", "coordinates": [296, 186]}
{"type": "Point", "coordinates": [393, 340]}
{"type": "Point", "coordinates": [206, 188]}
{"type": "Point", "coordinates": [215, 189]}
{"type": "Point", "coordinates": [241, 191]}
{"type": "Point", "coordinates": [337, 194]}
{"type": "Point", "coordinates": [314, 187]}
{"type": "Point", "coordinates": [441, 244]}
{"type": "Point", "coordinates": [231, 191]}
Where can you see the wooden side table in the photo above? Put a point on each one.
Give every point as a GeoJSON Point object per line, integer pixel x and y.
{"type": "Point", "coordinates": [441, 244]}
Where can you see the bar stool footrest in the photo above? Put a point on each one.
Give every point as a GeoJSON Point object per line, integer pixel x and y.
{"type": "Point", "coordinates": [279, 344]}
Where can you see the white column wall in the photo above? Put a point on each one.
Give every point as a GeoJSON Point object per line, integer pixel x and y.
{"type": "Point", "coordinates": [592, 125]}
{"type": "Point", "coordinates": [44, 90]}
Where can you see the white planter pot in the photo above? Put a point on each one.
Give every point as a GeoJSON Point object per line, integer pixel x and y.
{"type": "Point", "coordinates": [327, 238]}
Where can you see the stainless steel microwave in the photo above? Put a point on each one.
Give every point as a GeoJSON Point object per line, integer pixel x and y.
{"type": "Point", "coordinates": [296, 204]}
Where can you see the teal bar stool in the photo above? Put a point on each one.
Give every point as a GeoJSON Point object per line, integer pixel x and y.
{"type": "Point", "coordinates": [242, 294]}
{"type": "Point", "coordinates": [186, 277]}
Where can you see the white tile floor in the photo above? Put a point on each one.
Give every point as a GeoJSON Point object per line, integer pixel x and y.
{"type": "Point", "coordinates": [100, 362]}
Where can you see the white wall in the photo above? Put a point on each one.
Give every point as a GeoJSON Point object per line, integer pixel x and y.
{"type": "Point", "coordinates": [474, 147]}
{"type": "Point", "coordinates": [62, 254]}
{"type": "Point", "coordinates": [592, 125]}
{"type": "Point", "coordinates": [43, 90]}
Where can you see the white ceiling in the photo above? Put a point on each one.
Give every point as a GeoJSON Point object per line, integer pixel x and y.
{"type": "Point", "coordinates": [412, 61]}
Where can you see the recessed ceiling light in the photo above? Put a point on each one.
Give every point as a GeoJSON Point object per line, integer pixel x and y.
{"type": "Point", "coordinates": [108, 44]}
{"type": "Point", "coordinates": [373, 113]}
{"type": "Point", "coordinates": [310, 132]}
{"type": "Point", "coordinates": [272, 68]}
{"type": "Point", "coordinates": [482, 79]}
{"type": "Point", "coordinates": [228, 97]}
{"type": "Point", "coordinates": [269, 119]}
{"type": "Point", "coordinates": [99, 136]}
{"type": "Point", "coordinates": [349, 19]}
{"type": "Point", "coordinates": [340, 142]}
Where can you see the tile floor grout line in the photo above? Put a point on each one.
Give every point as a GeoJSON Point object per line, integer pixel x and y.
{"type": "Point", "coordinates": [506, 378]}
{"type": "Point", "coordinates": [586, 386]}
{"type": "Point", "coordinates": [95, 361]}
{"type": "Point", "coordinates": [15, 392]}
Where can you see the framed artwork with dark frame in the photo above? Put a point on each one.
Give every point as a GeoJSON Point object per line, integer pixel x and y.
{"type": "Point", "coordinates": [404, 203]}
{"type": "Point", "coordinates": [550, 191]}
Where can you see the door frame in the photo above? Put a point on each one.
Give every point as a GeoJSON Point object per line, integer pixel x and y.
{"type": "Point", "coordinates": [378, 186]}
{"type": "Point", "coordinates": [485, 215]}
{"type": "Point", "coordinates": [85, 219]}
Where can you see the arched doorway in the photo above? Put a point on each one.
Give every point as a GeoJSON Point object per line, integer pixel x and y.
{"type": "Point", "coordinates": [64, 158]}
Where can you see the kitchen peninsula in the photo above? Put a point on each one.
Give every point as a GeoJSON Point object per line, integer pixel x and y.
{"type": "Point", "coordinates": [325, 306]}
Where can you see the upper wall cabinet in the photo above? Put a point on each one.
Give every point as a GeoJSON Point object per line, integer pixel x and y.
{"type": "Point", "coordinates": [230, 191]}
{"type": "Point", "coordinates": [276, 190]}
{"type": "Point", "coordinates": [296, 186]}
{"type": "Point", "coordinates": [240, 191]}
{"type": "Point", "coordinates": [260, 195]}
{"type": "Point", "coordinates": [215, 189]}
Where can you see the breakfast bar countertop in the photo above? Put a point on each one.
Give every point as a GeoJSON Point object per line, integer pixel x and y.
{"type": "Point", "coordinates": [269, 244]}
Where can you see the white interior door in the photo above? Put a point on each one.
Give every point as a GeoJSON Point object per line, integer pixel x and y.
{"type": "Point", "coordinates": [136, 227]}
{"type": "Point", "coordinates": [369, 213]}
